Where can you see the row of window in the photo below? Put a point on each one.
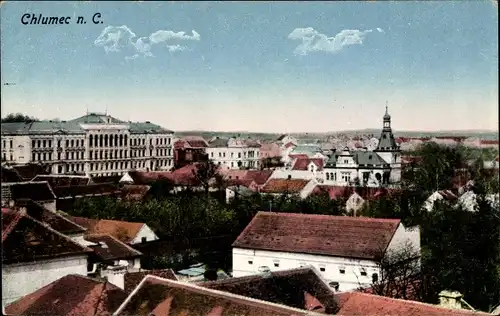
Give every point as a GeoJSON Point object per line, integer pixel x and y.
{"type": "Point", "coordinates": [47, 143]}
{"type": "Point", "coordinates": [74, 167]}
{"type": "Point", "coordinates": [11, 144]}
{"type": "Point", "coordinates": [107, 154]}
{"type": "Point", "coordinates": [4, 157]}
{"type": "Point", "coordinates": [108, 140]}
{"type": "Point", "coordinates": [322, 268]}
{"type": "Point", "coordinates": [331, 176]}
{"type": "Point", "coordinates": [109, 166]}
{"type": "Point", "coordinates": [251, 154]}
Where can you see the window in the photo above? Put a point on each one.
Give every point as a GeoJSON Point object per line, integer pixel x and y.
{"type": "Point", "coordinates": [346, 161]}
{"type": "Point", "coordinates": [342, 270]}
{"type": "Point", "coordinates": [11, 146]}
{"type": "Point", "coordinates": [239, 155]}
{"type": "Point", "coordinates": [327, 176]}
{"type": "Point", "coordinates": [276, 263]}
{"type": "Point", "coordinates": [322, 268]}
{"type": "Point", "coordinates": [144, 239]}
{"type": "Point", "coordinates": [374, 277]}
{"type": "Point", "coordinates": [362, 272]}
{"type": "Point", "coordinates": [250, 261]}
{"type": "Point", "coordinates": [334, 285]}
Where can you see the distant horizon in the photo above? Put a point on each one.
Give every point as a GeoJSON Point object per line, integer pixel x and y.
{"type": "Point", "coordinates": [367, 129]}
{"type": "Point", "coordinates": [320, 66]}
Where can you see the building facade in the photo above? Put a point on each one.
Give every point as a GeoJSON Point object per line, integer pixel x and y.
{"type": "Point", "coordinates": [381, 166]}
{"type": "Point", "coordinates": [331, 244]}
{"type": "Point", "coordinates": [94, 144]}
{"type": "Point", "coordinates": [234, 153]}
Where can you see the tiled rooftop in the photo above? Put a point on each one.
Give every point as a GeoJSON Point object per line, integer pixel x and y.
{"type": "Point", "coordinates": [97, 189]}
{"type": "Point", "coordinates": [25, 239]}
{"type": "Point", "coordinates": [132, 279]}
{"type": "Point", "coordinates": [340, 236]}
{"type": "Point", "coordinates": [156, 296]}
{"type": "Point", "coordinates": [62, 180]}
{"type": "Point", "coordinates": [124, 231]}
{"type": "Point", "coordinates": [362, 304]}
{"type": "Point", "coordinates": [284, 186]}
{"type": "Point", "coordinates": [72, 295]}
{"type": "Point", "coordinates": [36, 191]}
{"type": "Point", "coordinates": [297, 288]}
{"type": "Point", "coordinates": [109, 248]}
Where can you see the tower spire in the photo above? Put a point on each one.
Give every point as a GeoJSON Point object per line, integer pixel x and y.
{"type": "Point", "coordinates": [386, 107]}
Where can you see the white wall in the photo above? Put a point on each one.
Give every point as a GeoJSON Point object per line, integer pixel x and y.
{"type": "Point", "coordinates": [296, 174]}
{"type": "Point", "coordinates": [19, 280]}
{"type": "Point", "coordinates": [350, 280]}
{"type": "Point", "coordinates": [145, 231]}
{"type": "Point", "coordinates": [405, 236]}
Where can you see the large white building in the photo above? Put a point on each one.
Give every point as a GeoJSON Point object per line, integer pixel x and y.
{"type": "Point", "coordinates": [94, 144]}
{"type": "Point", "coordinates": [381, 166]}
{"type": "Point", "coordinates": [234, 153]}
{"type": "Point", "coordinates": [346, 250]}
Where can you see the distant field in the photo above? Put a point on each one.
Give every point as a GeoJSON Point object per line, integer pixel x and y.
{"type": "Point", "coordinates": [310, 137]}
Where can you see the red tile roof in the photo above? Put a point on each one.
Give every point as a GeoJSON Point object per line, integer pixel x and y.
{"type": "Point", "coordinates": [25, 239]}
{"type": "Point", "coordinates": [489, 142]}
{"type": "Point", "coordinates": [362, 304]}
{"type": "Point", "coordinates": [72, 295]}
{"type": "Point", "coordinates": [259, 176]}
{"type": "Point", "coordinates": [53, 219]}
{"type": "Point", "coordinates": [109, 248]}
{"type": "Point", "coordinates": [287, 287]}
{"type": "Point", "coordinates": [303, 163]}
{"type": "Point", "coordinates": [335, 192]}
{"type": "Point", "coordinates": [284, 186]}
{"type": "Point", "coordinates": [123, 231]}
{"type": "Point", "coordinates": [339, 236]}
{"type": "Point", "coordinates": [156, 296]}
{"type": "Point", "coordinates": [298, 156]}
{"type": "Point", "coordinates": [132, 279]}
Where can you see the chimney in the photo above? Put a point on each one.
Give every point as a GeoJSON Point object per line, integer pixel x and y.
{"type": "Point", "coordinates": [116, 275]}
{"type": "Point", "coordinates": [450, 299]}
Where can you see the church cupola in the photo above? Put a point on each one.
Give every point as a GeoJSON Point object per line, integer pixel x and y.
{"type": "Point", "coordinates": [387, 119]}
{"type": "Point", "coordinates": [386, 141]}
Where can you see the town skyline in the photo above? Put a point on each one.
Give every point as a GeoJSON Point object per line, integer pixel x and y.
{"type": "Point", "coordinates": [318, 69]}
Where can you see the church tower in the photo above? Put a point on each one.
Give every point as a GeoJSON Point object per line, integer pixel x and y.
{"type": "Point", "coordinates": [388, 149]}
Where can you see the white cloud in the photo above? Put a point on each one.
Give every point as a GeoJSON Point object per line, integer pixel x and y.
{"type": "Point", "coordinates": [119, 38]}
{"type": "Point", "coordinates": [176, 48]}
{"type": "Point", "coordinates": [314, 41]}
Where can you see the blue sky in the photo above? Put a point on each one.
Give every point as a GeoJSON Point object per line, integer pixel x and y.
{"type": "Point", "coordinates": [270, 67]}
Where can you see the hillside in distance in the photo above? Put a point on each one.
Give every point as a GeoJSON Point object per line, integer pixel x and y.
{"type": "Point", "coordinates": [482, 134]}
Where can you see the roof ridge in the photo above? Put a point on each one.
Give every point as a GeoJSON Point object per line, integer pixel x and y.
{"type": "Point", "coordinates": [203, 291]}
{"type": "Point", "coordinates": [353, 218]}
{"type": "Point", "coordinates": [47, 226]}
{"type": "Point", "coordinates": [410, 302]}
{"type": "Point", "coordinates": [118, 241]}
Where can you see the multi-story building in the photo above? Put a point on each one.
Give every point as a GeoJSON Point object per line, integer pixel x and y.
{"type": "Point", "coordinates": [188, 150]}
{"type": "Point", "coordinates": [234, 153]}
{"type": "Point", "coordinates": [381, 166]}
{"type": "Point", "coordinates": [94, 144]}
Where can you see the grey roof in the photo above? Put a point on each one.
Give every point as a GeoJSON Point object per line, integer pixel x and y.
{"type": "Point", "coordinates": [73, 126]}
{"type": "Point", "coordinates": [41, 127]}
{"type": "Point", "coordinates": [387, 141]}
{"type": "Point", "coordinates": [360, 157]}
{"type": "Point", "coordinates": [147, 127]}
{"type": "Point", "coordinates": [218, 142]}
{"type": "Point", "coordinates": [306, 149]}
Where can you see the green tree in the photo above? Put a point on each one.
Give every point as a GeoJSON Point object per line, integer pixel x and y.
{"type": "Point", "coordinates": [18, 118]}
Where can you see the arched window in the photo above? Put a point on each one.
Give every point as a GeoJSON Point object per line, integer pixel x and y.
{"type": "Point", "coordinates": [90, 140]}
{"type": "Point", "coordinates": [101, 138]}
{"type": "Point", "coordinates": [106, 140]}
{"type": "Point", "coordinates": [125, 140]}
{"type": "Point", "coordinates": [121, 140]}
{"type": "Point", "coordinates": [116, 140]}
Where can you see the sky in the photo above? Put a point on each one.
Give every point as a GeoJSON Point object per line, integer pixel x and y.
{"type": "Point", "coordinates": [256, 66]}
